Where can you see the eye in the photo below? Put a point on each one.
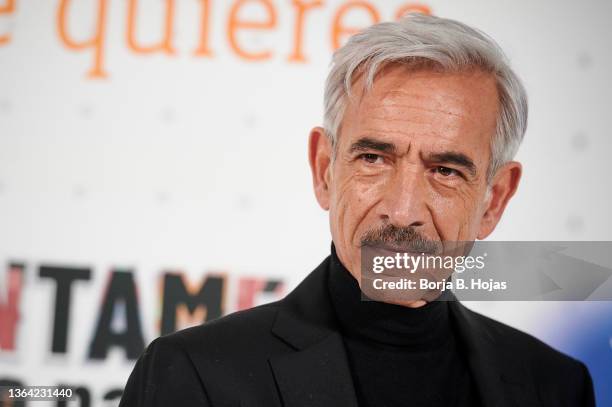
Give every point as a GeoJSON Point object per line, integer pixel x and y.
{"type": "Point", "coordinates": [447, 172]}
{"type": "Point", "coordinates": [371, 158]}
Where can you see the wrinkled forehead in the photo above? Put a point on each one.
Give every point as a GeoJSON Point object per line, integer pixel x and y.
{"type": "Point", "coordinates": [433, 105]}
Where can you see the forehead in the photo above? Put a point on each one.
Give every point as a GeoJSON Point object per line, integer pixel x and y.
{"type": "Point", "coordinates": [426, 107]}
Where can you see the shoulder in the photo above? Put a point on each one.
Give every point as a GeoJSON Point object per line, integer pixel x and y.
{"type": "Point", "coordinates": [525, 345]}
{"type": "Point", "coordinates": [238, 332]}
{"type": "Point", "coordinates": [235, 329]}
{"type": "Point", "coordinates": [554, 372]}
{"type": "Point", "coordinates": [163, 375]}
{"type": "Point", "coordinates": [232, 346]}
{"type": "Point", "coordinates": [224, 354]}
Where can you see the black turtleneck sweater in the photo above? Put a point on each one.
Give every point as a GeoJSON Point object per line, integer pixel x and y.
{"type": "Point", "coordinates": [399, 356]}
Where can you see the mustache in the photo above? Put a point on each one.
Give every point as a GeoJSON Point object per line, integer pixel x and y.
{"type": "Point", "coordinates": [400, 238]}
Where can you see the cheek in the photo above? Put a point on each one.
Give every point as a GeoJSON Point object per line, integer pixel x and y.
{"type": "Point", "coordinates": [352, 199]}
{"type": "Point", "coordinates": [454, 213]}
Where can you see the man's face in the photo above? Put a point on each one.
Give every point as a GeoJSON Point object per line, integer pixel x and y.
{"type": "Point", "coordinates": [412, 153]}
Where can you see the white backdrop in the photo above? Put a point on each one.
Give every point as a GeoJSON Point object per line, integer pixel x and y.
{"type": "Point", "coordinates": [192, 157]}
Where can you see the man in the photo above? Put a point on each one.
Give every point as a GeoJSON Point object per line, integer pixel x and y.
{"type": "Point", "coordinates": [422, 119]}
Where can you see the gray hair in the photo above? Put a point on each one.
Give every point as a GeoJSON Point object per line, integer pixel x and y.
{"type": "Point", "coordinates": [422, 40]}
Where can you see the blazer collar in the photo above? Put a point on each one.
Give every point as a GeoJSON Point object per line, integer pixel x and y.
{"type": "Point", "coordinates": [318, 373]}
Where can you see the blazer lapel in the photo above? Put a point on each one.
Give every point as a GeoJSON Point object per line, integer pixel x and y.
{"type": "Point", "coordinates": [317, 374]}
{"type": "Point", "coordinates": [501, 379]}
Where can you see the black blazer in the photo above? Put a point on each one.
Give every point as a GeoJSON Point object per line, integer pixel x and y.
{"type": "Point", "coordinates": [290, 353]}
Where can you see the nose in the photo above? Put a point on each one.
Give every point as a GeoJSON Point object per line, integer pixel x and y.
{"type": "Point", "coordinates": [404, 202]}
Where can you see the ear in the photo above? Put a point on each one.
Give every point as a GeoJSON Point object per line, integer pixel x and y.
{"type": "Point", "coordinates": [319, 156]}
{"type": "Point", "coordinates": [502, 188]}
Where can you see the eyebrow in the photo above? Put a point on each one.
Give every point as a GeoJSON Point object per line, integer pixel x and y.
{"type": "Point", "coordinates": [444, 157]}
{"type": "Point", "coordinates": [454, 157]}
{"type": "Point", "coordinates": [367, 143]}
